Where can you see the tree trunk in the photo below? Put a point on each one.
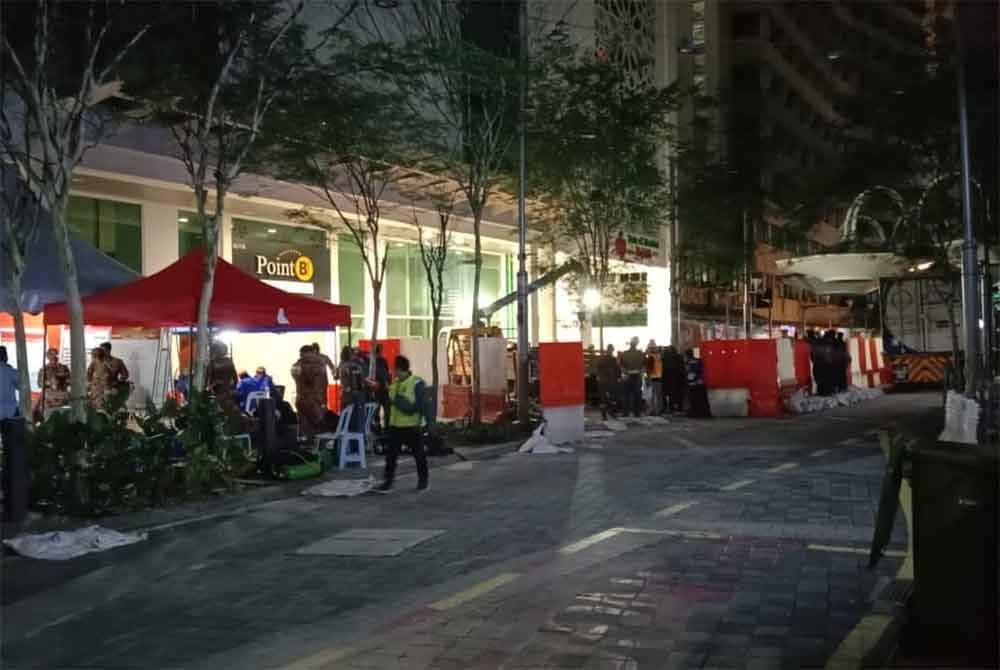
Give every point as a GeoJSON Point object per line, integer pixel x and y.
{"type": "Point", "coordinates": [435, 329]}
{"type": "Point", "coordinates": [203, 340]}
{"type": "Point", "coordinates": [74, 306]}
{"type": "Point", "coordinates": [21, 344]}
{"type": "Point", "coordinates": [477, 412]}
{"type": "Point", "coordinates": [376, 311]}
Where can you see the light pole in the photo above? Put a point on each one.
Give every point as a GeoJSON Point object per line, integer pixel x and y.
{"type": "Point", "coordinates": [970, 285]}
{"type": "Point", "coordinates": [675, 257]}
{"type": "Point", "coordinates": [747, 313]}
{"type": "Point", "coordinates": [522, 224]}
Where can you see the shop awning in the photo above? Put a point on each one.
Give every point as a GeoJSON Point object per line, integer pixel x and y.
{"type": "Point", "coordinates": [170, 298]}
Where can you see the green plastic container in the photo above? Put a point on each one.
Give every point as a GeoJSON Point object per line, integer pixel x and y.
{"type": "Point", "coordinates": [304, 470]}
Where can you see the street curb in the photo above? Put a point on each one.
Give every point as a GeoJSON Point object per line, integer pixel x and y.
{"type": "Point", "coordinates": [487, 452]}
{"type": "Point", "coordinates": [887, 614]}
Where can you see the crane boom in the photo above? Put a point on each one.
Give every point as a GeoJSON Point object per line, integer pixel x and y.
{"type": "Point", "coordinates": [549, 277]}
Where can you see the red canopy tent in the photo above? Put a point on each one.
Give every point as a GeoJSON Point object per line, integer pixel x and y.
{"type": "Point", "coordinates": [170, 297]}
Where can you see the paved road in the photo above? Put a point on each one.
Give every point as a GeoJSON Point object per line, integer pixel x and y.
{"type": "Point", "coordinates": [730, 543]}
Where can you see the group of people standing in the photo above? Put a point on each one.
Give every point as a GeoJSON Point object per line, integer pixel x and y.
{"type": "Point", "coordinates": [658, 380]}
{"type": "Point", "coordinates": [107, 375]}
{"type": "Point", "coordinates": [831, 361]}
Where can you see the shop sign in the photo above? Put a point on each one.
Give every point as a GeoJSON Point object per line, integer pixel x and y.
{"type": "Point", "coordinates": [296, 269]}
{"type": "Point", "coordinates": [637, 248]}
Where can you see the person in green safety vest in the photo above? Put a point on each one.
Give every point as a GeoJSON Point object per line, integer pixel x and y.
{"type": "Point", "coordinates": [406, 413]}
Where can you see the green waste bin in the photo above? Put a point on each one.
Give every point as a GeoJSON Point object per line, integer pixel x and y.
{"type": "Point", "coordinates": [952, 614]}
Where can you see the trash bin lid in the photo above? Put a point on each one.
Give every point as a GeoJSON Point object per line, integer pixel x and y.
{"type": "Point", "coordinates": [888, 503]}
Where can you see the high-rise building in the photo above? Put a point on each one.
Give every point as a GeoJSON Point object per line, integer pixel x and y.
{"type": "Point", "coordinates": [784, 73]}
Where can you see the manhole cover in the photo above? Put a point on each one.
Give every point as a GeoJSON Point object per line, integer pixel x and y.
{"type": "Point", "coordinates": [369, 542]}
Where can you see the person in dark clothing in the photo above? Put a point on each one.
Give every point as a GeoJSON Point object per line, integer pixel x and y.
{"type": "Point", "coordinates": [382, 379]}
{"type": "Point", "coordinates": [696, 391]}
{"type": "Point", "coordinates": [608, 374]}
{"type": "Point", "coordinates": [825, 367]}
{"type": "Point", "coordinates": [673, 379]}
{"type": "Point", "coordinates": [633, 365]}
{"type": "Point", "coordinates": [842, 361]}
{"type": "Point", "coordinates": [405, 418]}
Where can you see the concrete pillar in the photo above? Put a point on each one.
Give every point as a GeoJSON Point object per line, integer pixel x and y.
{"type": "Point", "coordinates": [160, 243]}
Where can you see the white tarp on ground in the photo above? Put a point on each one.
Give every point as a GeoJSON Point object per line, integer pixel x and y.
{"type": "Point", "coordinates": [538, 444]}
{"type": "Point", "coordinates": [800, 403]}
{"type": "Point", "coordinates": [341, 488]}
{"type": "Point", "coordinates": [961, 419]}
{"type": "Point", "coordinates": [62, 545]}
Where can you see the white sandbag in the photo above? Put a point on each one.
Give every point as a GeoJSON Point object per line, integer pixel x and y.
{"type": "Point", "coordinates": [65, 544]}
{"type": "Point", "coordinates": [536, 439]}
{"type": "Point", "coordinates": [961, 419]}
{"type": "Point", "coordinates": [341, 488]}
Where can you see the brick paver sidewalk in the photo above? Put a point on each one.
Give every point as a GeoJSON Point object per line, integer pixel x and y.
{"type": "Point", "coordinates": [679, 602]}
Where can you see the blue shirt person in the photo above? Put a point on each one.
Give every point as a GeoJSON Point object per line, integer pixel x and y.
{"type": "Point", "coordinates": [8, 388]}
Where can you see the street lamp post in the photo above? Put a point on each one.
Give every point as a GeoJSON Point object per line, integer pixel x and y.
{"type": "Point", "coordinates": [970, 284]}
{"type": "Point", "coordinates": [522, 225]}
{"type": "Point", "coordinates": [747, 314]}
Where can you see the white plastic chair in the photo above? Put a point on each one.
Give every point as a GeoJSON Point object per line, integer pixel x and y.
{"type": "Point", "coordinates": [252, 399]}
{"type": "Point", "coordinates": [353, 444]}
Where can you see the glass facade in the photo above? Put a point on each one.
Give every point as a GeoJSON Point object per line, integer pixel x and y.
{"type": "Point", "coordinates": [113, 227]}
{"type": "Point", "coordinates": [408, 305]}
{"type": "Point", "coordinates": [351, 275]}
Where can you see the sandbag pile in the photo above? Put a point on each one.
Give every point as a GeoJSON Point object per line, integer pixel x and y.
{"type": "Point", "coordinates": [801, 403]}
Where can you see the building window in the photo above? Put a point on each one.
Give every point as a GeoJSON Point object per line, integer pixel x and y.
{"type": "Point", "coordinates": [408, 304]}
{"type": "Point", "coordinates": [113, 227]}
{"type": "Point", "coordinates": [189, 235]}
{"type": "Point", "coordinates": [625, 301]}
{"type": "Point", "coordinates": [351, 275]}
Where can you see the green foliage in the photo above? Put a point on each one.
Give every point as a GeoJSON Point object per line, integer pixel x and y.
{"type": "Point", "coordinates": [594, 144]}
{"type": "Point", "coordinates": [105, 465]}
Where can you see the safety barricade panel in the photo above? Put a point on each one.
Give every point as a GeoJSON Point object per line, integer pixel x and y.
{"type": "Point", "coordinates": [561, 374]}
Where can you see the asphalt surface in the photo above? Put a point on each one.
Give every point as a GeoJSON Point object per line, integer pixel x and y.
{"type": "Point", "coordinates": [723, 543]}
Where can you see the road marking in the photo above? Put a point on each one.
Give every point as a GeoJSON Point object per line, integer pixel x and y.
{"type": "Point", "coordinates": [675, 509]}
{"type": "Point", "coordinates": [482, 588]}
{"type": "Point", "coordinates": [580, 545]}
{"type": "Point", "coordinates": [791, 465]}
{"type": "Point", "coordinates": [851, 550]}
{"type": "Point", "coordinates": [689, 534]}
{"type": "Point", "coordinates": [462, 465]}
{"type": "Point", "coordinates": [684, 442]}
{"type": "Point", "coordinates": [820, 452]}
{"type": "Point", "coordinates": [738, 485]}
{"type": "Point", "coordinates": [321, 659]}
